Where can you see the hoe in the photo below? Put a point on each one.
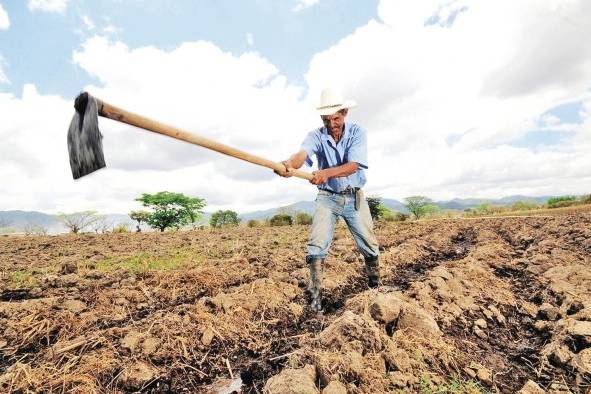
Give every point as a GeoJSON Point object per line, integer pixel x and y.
{"type": "Point", "coordinates": [85, 139]}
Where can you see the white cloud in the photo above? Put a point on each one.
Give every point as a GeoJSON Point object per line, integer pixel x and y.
{"type": "Point", "coordinates": [241, 101]}
{"type": "Point", "coordinates": [442, 103]}
{"type": "Point", "coordinates": [111, 29]}
{"type": "Point", "coordinates": [4, 20]}
{"type": "Point", "coordinates": [3, 77]}
{"type": "Point", "coordinates": [58, 6]}
{"type": "Point", "coordinates": [303, 4]}
{"type": "Point", "coordinates": [88, 22]}
{"type": "Point", "coordinates": [250, 39]}
{"type": "Point", "coordinates": [485, 79]}
{"type": "Point", "coordinates": [550, 120]}
{"type": "Point", "coordinates": [93, 27]}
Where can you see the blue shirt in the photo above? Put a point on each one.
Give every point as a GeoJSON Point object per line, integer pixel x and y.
{"type": "Point", "coordinates": [351, 148]}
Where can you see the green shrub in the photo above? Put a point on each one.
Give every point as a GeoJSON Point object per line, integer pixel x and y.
{"type": "Point", "coordinates": [523, 206]}
{"type": "Point", "coordinates": [496, 209]}
{"type": "Point", "coordinates": [281, 220]}
{"type": "Point", "coordinates": [561, 201]}
{"type": "Point", "coordinates": [389, 215]}
{"type": "Point", "coordinates": [562, 204]}
{"type": "Point", "coordinates": [482, 209]}
{"type": "Point", "coordinates": [486, 209]}
{"type": "Point", "coordinates": [303, 218]}
{"type": "Point", "coordinates": [225, 218]}
{"type": "Point", "coordinates": [121, 228]}
{"type": "Point", "coordinates": [398, 217]}
{"type": "Point", "coordinates": [253, 223]}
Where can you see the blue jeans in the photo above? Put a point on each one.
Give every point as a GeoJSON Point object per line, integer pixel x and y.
{"type": "Point", "coordinates": [329, 207]}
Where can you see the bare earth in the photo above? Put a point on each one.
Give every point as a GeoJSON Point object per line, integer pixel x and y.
{"type": "Point", "coordinates": [481, 305]}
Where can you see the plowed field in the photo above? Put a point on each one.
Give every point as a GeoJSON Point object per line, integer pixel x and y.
{"type": "Point", "coordinates": [475, 306]}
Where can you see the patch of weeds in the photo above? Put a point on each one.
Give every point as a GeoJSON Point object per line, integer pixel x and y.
{"type": "Point", "coordinates": [23, 279]}
{"type": "Point", "coordinates": [455, 386]}
{"type": "Point", "coordinates": [292, 361]}
{"type": "Point", "coordinates": [144, 262]}
{"type": "Point", "coordinates": [213, 254]}
{"type": "Point", "coordinates": [419, 357]}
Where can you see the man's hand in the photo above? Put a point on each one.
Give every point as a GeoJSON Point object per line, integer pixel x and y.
{"type": "Point", "coordinates": [320, 177]}
{"type": "Point", "coordinates": [288, 172]}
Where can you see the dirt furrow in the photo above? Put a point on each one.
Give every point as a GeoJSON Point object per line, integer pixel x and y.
{"type": "Point", "coordinates": [507, 301]}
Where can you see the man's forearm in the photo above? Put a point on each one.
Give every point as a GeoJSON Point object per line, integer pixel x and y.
{"type": "Point", "coordinates": [297, 160]}
{"type": "Point", "coordinates": [342, 170]}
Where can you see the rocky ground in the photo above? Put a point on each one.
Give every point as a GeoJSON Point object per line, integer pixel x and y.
{"type": "Point", "coordinates": [467, 306]}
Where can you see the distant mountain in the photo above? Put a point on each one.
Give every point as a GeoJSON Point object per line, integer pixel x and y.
{"type": "Point", "coordinates": [512, 199]}
{"type": "Point", "coordinates": [19, 220]}
{"type": "Point", "coordinates": [301, 206]}
{"type": "Point", "coordinates": [395, 205]}
{"type": "Point", "coordinates": [465, 203]}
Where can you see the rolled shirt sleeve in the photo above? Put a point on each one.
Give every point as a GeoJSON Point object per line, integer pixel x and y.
{"type": "Point", "coordinates": [358, 149]}
{"type": "Point", "coordinates": [311, 145]}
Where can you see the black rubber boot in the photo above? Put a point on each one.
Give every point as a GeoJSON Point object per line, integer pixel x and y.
{"type": "Point", "coordinates": [372, 269]}
{"type": "Point", "coordinates": [316, 271]}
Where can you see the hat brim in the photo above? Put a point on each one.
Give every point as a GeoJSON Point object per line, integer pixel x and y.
{"type": "Point", "coordinates": [336, 108]}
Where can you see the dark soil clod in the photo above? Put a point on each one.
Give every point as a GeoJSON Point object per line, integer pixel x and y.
{"type": "Point", "coordinates": [15, 295]}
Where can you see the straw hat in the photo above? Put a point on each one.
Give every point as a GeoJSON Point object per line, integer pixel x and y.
{"type": "Point", "coordinates": [332, 101]}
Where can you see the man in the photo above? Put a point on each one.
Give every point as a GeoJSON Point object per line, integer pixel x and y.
{"type": "Point", "coordinates": [341, 151]}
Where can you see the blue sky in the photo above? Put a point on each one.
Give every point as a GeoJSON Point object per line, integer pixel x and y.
{"type": "Point", "coordinates": [460, 98]}
{"type": "Point", "coordinates": [39, 45]}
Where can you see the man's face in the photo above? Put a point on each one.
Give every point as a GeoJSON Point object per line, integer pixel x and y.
{"type": "Point", "coordinates": [334, 123]}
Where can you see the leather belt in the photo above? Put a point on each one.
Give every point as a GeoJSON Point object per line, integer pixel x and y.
{"type": "Point", "coordinates": [349, 190]}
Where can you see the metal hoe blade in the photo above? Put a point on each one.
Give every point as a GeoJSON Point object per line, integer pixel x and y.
{"type": "Point", "coordinates": [84, 138]}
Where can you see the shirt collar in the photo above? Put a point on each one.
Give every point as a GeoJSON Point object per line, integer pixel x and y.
{"type": "Point", "coordinates": [326, 136]}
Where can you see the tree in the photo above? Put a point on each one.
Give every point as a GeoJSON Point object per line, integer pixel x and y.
{"type": "Point", "coordinates": [193, 208]}
{"type": "Point", "coordinates": [35, 229]}
{"type": "Point", "coordinates": [281, 220]}
{"type": "Point", "coordinates": [431, 210]}
{"type": "Point", "coordinates": [140, 217]}
{"type": "Point", "coordinates": [224, 218]}
{"type": "Point", "coordinates": [419, 206]}
{"type": "Point", "coordinates": [374, 206]}
{"type": "Point", "coordinates": [377, 209]}
{"type": "Point", "coordinates": [303, 218]}
{"type": "Point", "coordinates": [102, 224]}
{"type": "Point", "coordinates": [77, 221]}
{"type": "Point", "coordinates": [171, 209]}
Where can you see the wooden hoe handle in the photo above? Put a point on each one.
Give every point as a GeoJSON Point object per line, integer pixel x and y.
{"type": "Point", "coordinates": [110, 111]}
